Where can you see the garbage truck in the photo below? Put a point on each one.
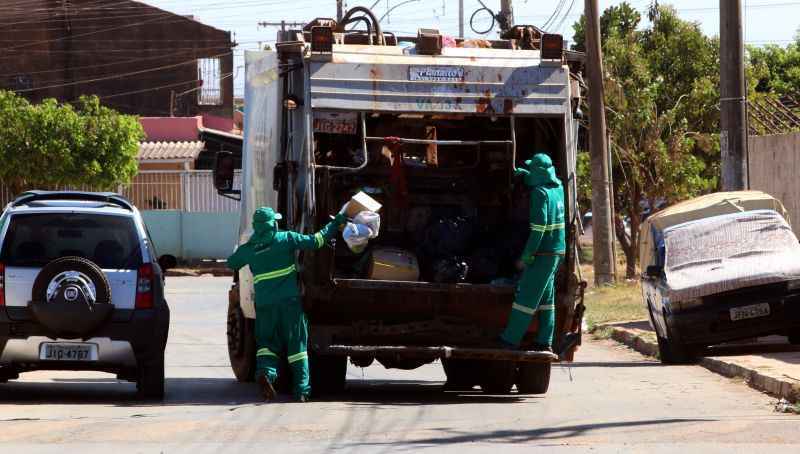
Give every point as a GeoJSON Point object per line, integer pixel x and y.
{"type": "Point", "coordinates": [431, 128]}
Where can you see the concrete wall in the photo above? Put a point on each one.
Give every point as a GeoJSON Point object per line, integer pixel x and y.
{"type": "Point", "coordinates": [193, 236]}
{"type": "Point", "coordinates": [774, 166]}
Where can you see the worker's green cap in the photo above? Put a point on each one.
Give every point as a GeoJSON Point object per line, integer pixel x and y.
{"type": "Point", "coordinates": [540, 160]}
{"type": "Point", "coordinates": [266, 215]}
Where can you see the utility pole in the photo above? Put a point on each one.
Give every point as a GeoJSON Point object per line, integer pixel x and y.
{"type": "Point", "coordinates": [461, 19]}
{"type": "Point", "coordinates": [733, 134]}
{"type": "Point", "coordinates": [602, 241]}
{"type": "Point", "coordinates": [506, 15]}
{"type": "Point", "coordinates": [339, 10]}
{"type": "Point", "coordinates": [282, 24]}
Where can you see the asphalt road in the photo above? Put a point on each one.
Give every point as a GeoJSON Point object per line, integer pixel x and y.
{"type": "Point", "coordinates": [611, 400]}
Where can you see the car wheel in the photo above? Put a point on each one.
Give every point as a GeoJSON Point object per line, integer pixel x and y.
{"type": "Point", "coordinates": [71, 297]}
{"type": "Point", "coordinates": [671, 351]}
{"type": "Point", "coordinates": [241, 343]}
{"type": "Point", "coordinates": [150, 384]}
{"type": "Point", "coordinates": [328, 374]}
{"type": "Point", "coordinates": [533, 378]}
{"type": "Point", "coordinates": [498, 377]}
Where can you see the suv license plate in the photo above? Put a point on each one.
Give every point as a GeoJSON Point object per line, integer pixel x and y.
{"type": "Point", "coordinates": [70, 351]}
{"type": "Point", "coordinates": [752, 311]}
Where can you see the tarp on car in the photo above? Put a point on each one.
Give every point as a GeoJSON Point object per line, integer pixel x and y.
{"type": "Point", "coordinates": [716, 204]}
{"type": "Point", "coordinates": [729, 252]}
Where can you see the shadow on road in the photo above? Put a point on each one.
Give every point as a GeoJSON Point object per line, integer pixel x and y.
{"type": "Point", "coordinates": [450, 436]}
{"type": "Point", "coordinates": [229, 392]}
{"type": "Point", "coordinates": [611, 364]}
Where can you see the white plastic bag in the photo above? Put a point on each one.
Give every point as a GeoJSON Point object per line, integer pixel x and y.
{"type": "Point", "coordinates": [356, 236]}
{"type": "Point", "coordinates": [371, 220]}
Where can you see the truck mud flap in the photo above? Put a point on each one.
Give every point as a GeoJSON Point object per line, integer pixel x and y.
{"type": "Point", "coordinates": [439, 352]}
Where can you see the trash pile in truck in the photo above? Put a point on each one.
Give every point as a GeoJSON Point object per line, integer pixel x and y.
{"type": "Point", "coordinates": [451, 247]}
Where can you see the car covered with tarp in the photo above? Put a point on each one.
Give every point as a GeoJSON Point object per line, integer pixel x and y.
{"type": "Point", "coordinates": [719, 268]}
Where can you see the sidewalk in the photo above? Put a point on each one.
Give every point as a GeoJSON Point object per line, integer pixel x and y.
{"type": "Point", "coordinates": [770, 364]}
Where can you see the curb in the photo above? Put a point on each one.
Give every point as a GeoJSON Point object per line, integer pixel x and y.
{"type": "Point", "coordinates": [199, 272]}
{"type": "Point", "coordinates": [773, 383]}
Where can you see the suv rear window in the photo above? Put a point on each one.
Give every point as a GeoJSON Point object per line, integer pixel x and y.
{"type": "Point", "coordinates": [33, 240]}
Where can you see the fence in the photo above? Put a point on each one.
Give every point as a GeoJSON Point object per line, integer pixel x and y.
{"type": "Point", "coordinates": [183, 212]}
{"type": "Point", "coordinates": [774, 163]}
{"type": "Point", "coordinates": [182, 190]}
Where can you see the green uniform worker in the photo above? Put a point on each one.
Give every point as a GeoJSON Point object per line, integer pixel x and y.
{"type": "Point", "coordinates": [281, 326]}
{"type": "Point", "coordinates": [542, 256]}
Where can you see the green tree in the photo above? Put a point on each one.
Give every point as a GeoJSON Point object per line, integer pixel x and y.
{"type": "Point", "coordinates": [661, 96]}
{"type": "Point", "coordinates": [777, 69]}
{"type": "Point", "coordinates": [50, 145]}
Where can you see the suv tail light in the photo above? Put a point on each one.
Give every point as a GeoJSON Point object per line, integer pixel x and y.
{"type": "Point", "coordinates": [144, 287]}
{"type": "Point", "coordinates": [2, 285]}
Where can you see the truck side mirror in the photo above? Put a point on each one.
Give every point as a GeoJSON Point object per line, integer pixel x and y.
{"type": "Point", "coordinates": [654, 271]}
{"type": "Point", "coordinates": [224, 168]}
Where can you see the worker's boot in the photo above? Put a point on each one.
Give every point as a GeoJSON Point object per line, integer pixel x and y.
{"type": "Point", "coordinates": [537, 347]}
{"type": "Point", "coordinates": [302, 399]}
{"type": "Point", "coordinates": [267, 391]}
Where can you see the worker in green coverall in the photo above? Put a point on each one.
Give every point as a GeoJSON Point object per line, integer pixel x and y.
{"type": "Point", "coordinates": [543, 255]}
{"type": "Point", "coordinates": [281, 326]}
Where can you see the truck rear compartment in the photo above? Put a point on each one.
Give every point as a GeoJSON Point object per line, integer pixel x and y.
{"type": "Point", "coordinates": [451, 207]}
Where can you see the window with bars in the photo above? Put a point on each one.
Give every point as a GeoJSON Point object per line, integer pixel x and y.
{"type": "Point", "coordinates": [209, 72]}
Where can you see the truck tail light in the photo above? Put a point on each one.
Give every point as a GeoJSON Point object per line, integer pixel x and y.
{"type": "Point", "coordinates": [321, 39]}
{"type": "Point", "coordinates": [2, 285]}
{"type": "Point", "coordinates": [144, 287]}
{"type": "Point", "coordinates": [552, 47]}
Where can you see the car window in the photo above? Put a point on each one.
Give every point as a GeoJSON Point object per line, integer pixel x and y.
{"type": "Point", "coordinates": [36, 239]}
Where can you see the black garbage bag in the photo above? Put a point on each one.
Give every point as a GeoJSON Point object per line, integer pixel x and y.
{"type": "Point", "coordinates": [448, 237]}
{"type": "Point", "coordinates": [484, 265]}
{"type": "Point", "coordinates": [451, 270]}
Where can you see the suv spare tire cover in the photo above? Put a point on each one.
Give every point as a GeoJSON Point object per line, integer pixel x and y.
{"type": "Point", "coordinates": [71, 297]}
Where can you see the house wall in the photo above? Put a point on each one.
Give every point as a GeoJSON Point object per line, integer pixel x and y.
{"type": "Point", "coordinates": [87, 40]}
{"type": "Point", "coordinates": [774, 163]}
{"type": "Point", "coordinates": [186, 235]}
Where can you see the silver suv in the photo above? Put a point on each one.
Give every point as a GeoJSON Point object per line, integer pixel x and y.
{"type": "Point", "coordinates": [81, 289]}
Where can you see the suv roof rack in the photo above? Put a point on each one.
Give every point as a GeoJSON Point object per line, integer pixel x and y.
{"type": "Point", "coordinates": [107, 197]}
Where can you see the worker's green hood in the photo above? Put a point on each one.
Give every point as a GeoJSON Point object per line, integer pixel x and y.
{"type": "Point", "coordinates": [264, 225]}
{"type": "Point", "coordinates": [539, 171]}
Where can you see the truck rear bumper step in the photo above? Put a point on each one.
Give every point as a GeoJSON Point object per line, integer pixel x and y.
{"type": "Point", "coordinates": [440, 352]}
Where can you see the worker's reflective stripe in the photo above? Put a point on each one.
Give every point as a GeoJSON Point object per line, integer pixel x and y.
{"type": "Point", "coordinates": [523, 309]}
{"type": "Point", "coordinates": [320, 240]}
{"type": "Point", "coordinates": [274, 274]}
{"type": "Point", "coordinates": [547, 228]}
{"type": "Point", "coordinates": [546, 307]}
{"type": "Point", "coordinates": [265, 352]}
{"type": "Point", "coordinates": [298, 357]}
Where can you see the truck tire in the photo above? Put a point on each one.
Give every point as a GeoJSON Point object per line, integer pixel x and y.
{"type": "Point", "coordinates": [150, 383]}
{"type": "Point", "coordinates": [241, 343]}
{"type": "Point", "coordinates": [533, 378]}
{"type": "Point", "coordinates": [461, 374]}
{"type": "Point", "coordinates": [498, 377]}
{"type": "Point", "coordinates": [328, 374]}
{"type": "Point", "coordinates": [794, 336]}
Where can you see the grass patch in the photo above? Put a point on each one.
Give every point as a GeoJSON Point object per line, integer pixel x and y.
{"type": "Point", "coordinates": [621, 302]}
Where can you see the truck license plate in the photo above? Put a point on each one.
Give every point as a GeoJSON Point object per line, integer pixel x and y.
{"type": "Point", "coordinates": [752, 311]}
{"type": "Point", "coordinates": [68, 351]}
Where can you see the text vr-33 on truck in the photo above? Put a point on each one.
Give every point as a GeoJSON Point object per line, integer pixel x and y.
{"type": "Point", "coordinates": [80, 289]}
{"type": "Point", "coordinates": [433, 131]}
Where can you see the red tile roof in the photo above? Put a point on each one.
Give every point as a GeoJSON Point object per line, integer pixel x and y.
{"type": "Point", "coordinates": [149, 151]}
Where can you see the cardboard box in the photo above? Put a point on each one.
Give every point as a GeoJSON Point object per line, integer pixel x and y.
{"type": "Point", "coordinates": [390, 264]}
{"type": "Point", "coordinates": [362, 202]}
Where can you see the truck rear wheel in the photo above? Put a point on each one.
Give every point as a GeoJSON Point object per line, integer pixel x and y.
{"type": "Point", "coordinates": [533, 378]}
{"type": "Point", "coordinates": [241, 343]}
{"type": "Point", "coordinates": [461, 374]}
{"type": "Point", "coordinates": [328, 374]}
{"type": "Point", "coordinates": [498, 377]}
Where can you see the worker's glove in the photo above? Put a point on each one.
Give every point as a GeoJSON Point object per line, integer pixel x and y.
{"type": "Point", "coordinates": [340, 219]}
